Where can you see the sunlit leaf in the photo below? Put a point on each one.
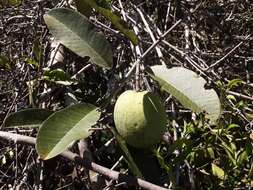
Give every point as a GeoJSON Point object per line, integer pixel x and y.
{"type": "Point", "coordinates": [33, 62]}
{"type": "Point", "coordinates": [63, 127]}
{"type": "Point", "coordinates": [218, 172]}
{"type": "Point", "coordinates": [232, 126]}
{"type": "Point", "coordinates": [188, 88]}
{"type": "Point", "coordinates": [231, 97]}
{"type": "Point", "coordinates": [211, 152]}
{"type": "Point", "coordinates": [234, 83]}
{"type": "Point", "coordinates": [74, 30]}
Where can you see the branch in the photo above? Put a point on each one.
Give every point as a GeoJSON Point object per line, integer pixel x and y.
{"type": "Point", "coordinates": [88, 164]}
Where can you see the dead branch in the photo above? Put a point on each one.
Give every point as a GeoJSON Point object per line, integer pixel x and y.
{"type": "Point", "coordinates": [114, 175]}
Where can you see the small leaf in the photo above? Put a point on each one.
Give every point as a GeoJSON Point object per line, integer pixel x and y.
{"type": "Point", "coordinates": [188, 88]}
{"type": "Point", "coordinates": [32, 62]}
{"type": "Point", "coordinates": [231, 97]}
{"type": "Point", "coordinates": [4, 62]}
{"type": "Point", "coordinates": [32, 117]}
{"type": "Point", "coordinates": [243, 156]}
{"type": "Point", "coordinates": [11, 154]}
{"type": "Point", "coordinates": [74, 30]}
{"type": "Point", "coordinates": [57, 76]}
{"type": "Point", "coordinates": [116, 20]}
{"type": "Point", "coordinates": [37, 49]}
{"type": "Point", "coordinates": [234, 83]}
{"type": "Point", "coordinates": [63, 127]}
{"type": "Point", "coordinates": [218, 172]}
{"type": "Point", "coordinates": [3, 161]}
{"type": "Point", "coordinates": [232, 126]}
{"type": "Point", "coordinates": [230, 152]}
{"type": "Point", "coordinates": [211, 152]}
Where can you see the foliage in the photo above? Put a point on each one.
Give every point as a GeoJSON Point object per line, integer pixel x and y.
{"type": "Point", "coordinates": [75, 32]}
{"type": "Point", "coordinates": [189, 89]}
{"type": "Point", "coordinates": [63, 127]}
{"type": "Point", "coordinates": [204, 82]}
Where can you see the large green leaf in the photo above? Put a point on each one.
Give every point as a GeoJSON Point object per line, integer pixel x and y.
{"type": "Point", "coordinates": [115, 19]}
{"type": "Point", "coordinates": [188, 88]}
{"type": "Point", "coordinates": [64, 127]}
{"type": "Point", "coordinates": [32, 117]}
{"type": "Point", "coordinates": [74, 30]}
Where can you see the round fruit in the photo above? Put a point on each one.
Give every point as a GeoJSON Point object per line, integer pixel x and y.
{"type": "Point", "coordinates": [140, 118]}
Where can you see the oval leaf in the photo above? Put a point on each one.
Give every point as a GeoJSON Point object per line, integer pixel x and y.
{"type": "Point", "coordinates": [218, 172]}
{"type": "Point", "coordinates": [32, 117]}
{"type": "Point", "coordinates": [120, 24]}
{"type": "Point", "coordinates": [74, 31]}
{"type": "Point", "coordinates": [188, 88]}
{"type": "Point", "coordinates": [63, 127]}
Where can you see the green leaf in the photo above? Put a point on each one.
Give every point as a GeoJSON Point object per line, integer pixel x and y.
{"type": "Point", "coordinates": [234, 83]}
{"type": "Point", "coordinates": [127, 155]}
{"type": "Point", "coordinates": [33, 62]}
{"type": "Point", "coordinates": [63, 127]}
{"type": "Point", "coordinates": [166, 166]}
{"type": "Point", "coordinates": [211, 152]}
{"type": "Point", "coordinates": [116, 20]}
{"type": "Point", "coordinates": [37, 49]}
{"type": "Point", "coordinates": [232, 126]}
{"type": "Point", "coordinates": [4, 62]}
{"type": "Point", "coordinates": [83, 7]}
{"type": "Point", "coordinates": [218, 172]}
{"type": "Point", "coordinates": [231, 97]}
{"type": "Point", "coordinates": [74, 30]}
{"type": "Point", "coordinates": [242, 157]}
{"type": "Point", "coordinates": [32, 117]}
{"type": "Point", "coordinates": [57, 76]}
{"type": "Point", "coordinates": [188, 88]}
{"type": "Point", "coordinates": [7, 3]}
{"type": "Point", "coordinates": [230, 152]}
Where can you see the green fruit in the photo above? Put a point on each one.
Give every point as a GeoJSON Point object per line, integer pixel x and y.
{"type": "Point", "coordinates": [140, 118]}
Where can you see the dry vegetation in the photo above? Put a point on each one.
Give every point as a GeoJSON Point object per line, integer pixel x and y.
{"type": "Point", "coordinates": [211, 37]}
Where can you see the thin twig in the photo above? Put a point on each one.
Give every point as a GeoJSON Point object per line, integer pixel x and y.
{"type": "Point", "coordinates": [159, 52]}
{"type": "Point", "coordinates": [229, 53]}
{"type": "Point", "coordinates": [86, 163]}
{"type": "Point", "coordinates": [130, 72]}
{"type": "Point", "coordinates": [7, 114]}
{"type": "Point", "coordinates": [240, 95]}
